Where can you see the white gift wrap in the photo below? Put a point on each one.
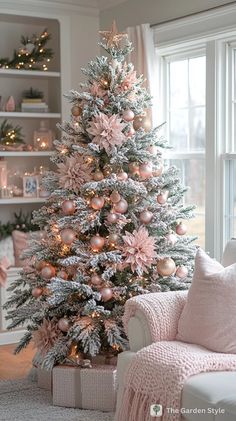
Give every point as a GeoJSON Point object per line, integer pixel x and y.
{"type": "Point", "coordinates": [44, 379]}
{"type": "Point", "coordinates": [86, 388]}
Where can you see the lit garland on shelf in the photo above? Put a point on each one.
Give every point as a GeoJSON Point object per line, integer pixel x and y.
{"type": "Point", "coordinates": [32, 55]}
{"type": "Point", "coordinates": [10, 135]}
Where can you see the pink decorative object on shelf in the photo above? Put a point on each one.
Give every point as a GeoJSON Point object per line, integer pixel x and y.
{"type": "Point", "coordinates": [10, 104]}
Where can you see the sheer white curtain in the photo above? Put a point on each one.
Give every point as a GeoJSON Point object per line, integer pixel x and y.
{"type": "Point", "coordinates": [145, 61]}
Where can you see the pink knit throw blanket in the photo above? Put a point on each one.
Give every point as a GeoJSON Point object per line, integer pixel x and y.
{"type": "Point", "coordinates": [157, 374]}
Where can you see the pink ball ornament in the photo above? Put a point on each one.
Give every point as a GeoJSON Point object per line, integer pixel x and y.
{"type": "Point", "coordinates": [97, 243]}
{"type": "Point", "coordinates": [153, 149]}
{"type": "Point", "coordinates": [62, 274]}
{"type": "Point", "coordinates": [181, 272]}
{"type": "Point", "coordinates": [122, 176]}
{"type": "Point", "coordinates": [64, 324]}
{"type": "Point", "coordinates": [130, 132]}
{"type": "Point", "coordinates": [39, 265]}
{"type": "Point", "coordinates": [97, 202]}
{"type": "Point", "coordinates": [115, 197]}
{"type": "Point", "coordinates": [146, 217]}
{"type": "Point", "coordinates": [112, 218]}
{"type": "Point", "coordinates": [98, 176]}
{"type": "Point", "coordinates": [37, 292]}
{"type": "Point", "coordinates": [171, 239]}
{"type": "Point", "coordinates": [48, 272]}
{"type": "Point", "coordinates": [113, 239]}
{"type": "Point", "coordinates": [68, 207]}
{"type": "Point", "coordinates": [162, 197]}
{"type": "Point", "coordinates": [121, 206]}
{"type": "Point", "coordinates": [166, 266]}
{"type": "Point", "coordinates": [106, 294]}
{"type": "Point", "coordinates": [145, 170]}
{"type": "Point", "coordinates": [68, 236]}
{"type": "Point", "coordinates": [134, 168]}
{"type": "Point", "coordinates": [181, 228]}
{"type": "Point", "coordinates": [128, 115]}
{"type": "Point", "coordinates": [96, 280]}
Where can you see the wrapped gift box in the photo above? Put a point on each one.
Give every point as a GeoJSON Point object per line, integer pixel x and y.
{"type": "Point", "coordinates": [44, 379]}
{"type": "Point", "coordinates": [86, 388]}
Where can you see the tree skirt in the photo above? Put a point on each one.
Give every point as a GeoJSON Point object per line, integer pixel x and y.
{"type": "Point", "coordinates": [22, 400]}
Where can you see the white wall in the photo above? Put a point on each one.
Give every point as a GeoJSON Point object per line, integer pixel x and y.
{"type": "Point", "coordinates": [135, 12]}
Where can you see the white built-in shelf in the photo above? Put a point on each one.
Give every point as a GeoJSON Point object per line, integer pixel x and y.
{"type": "Point", "coordinates": [25, 153]}
{"type": "Point", "coordinates": [29, 115]}
{"type": "Point", "coordinates": [21, 200]}
{"type": "Point", "coordinates": [28, 73]}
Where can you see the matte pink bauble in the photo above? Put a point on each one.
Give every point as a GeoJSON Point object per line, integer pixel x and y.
{"type": "Point", "coordinates": [162, 197]}
{"type": "Point", "coordinates": [181, 228]}
{"type": "Point", "coordinates": [166, 267]}
{"type": "Point", "coordinates": [98, 176]}
{"type": "Point", "coordinates": [62, 274]}
{"type": "Point", "coordinates": [121, 206]}
{"type": "Point", "coordinates": [96, 280]}
{"type": "Point", "coordinates": [106, 294]}
{"type": "Point", "coordinates": [67, 236]}
{"type": "Point", "coordinates": [122, 176]}
{"type": "Point", "coordinates": [153, 149]}
{"type": "Point", "coordinates": [145, 170]}
{"type": "Point", "coordinates": [48, 272]}
{"type": "Point", "coordinates": [64, 325]}
{"type": "Point", "coordinates": [128, 115]}
{"type": "Point", "coordinates": [134, 168]}
{"type": "Point", "coordinates": [97, 203]}
{"type": "Point", "coordinates": [97, 242]}
{"type": "Point", "coordinates": [181, 271]}
{"type": "Point", "coordinates": [130, 132]}
{"type": "Point", "coordinates": [112, 218]}
{"type": "Point", "coordinates": [146, 217]}
{"type": "Point", "coordinates": [113, 239]}
{"type": "Point", "coordinates": [115, 197]}
{"type": "Point", "coordinates": [36, 292]}
{"type": "Point", "coordinates": [68, 207]}
{"type": "Point", "coordinates": [171, 238]}
{"type": "Point", "coordinates": [157, 171]}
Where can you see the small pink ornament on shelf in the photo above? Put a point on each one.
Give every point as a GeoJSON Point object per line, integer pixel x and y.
{"type": "Point", "coordinates": [43, 138]}
{"type": "Point", "coordinates": [10, 105]}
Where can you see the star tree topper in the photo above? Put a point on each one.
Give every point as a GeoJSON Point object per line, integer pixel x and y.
{"type": "Point", "coordinates": [113, 37]}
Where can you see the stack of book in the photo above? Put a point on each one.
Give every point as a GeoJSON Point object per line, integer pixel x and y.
{"type": "Point", "coordinates": [33, 105]}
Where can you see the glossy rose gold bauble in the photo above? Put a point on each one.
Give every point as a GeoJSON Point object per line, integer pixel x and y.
{"type": "Point", "coordinates": [157, 171]}
{"type": "Point", "coordinates": [98, 176]}
{"type": "Point", "coordinates": [97, 202]}
{"type": "Point", "coordinates": [153, 149]}
{"type": "Point", "coordinates": [146, 217]}
{"type": "Point", "coordinates": [64, 325]}
{"type": "Point", "coordinates": [171, 238]}
{"type": "Point", "coordinates": [166, 267]}
{"type": "Point", "coordinates": [145, 170]}
{"type": "Point", "coordinates": [37, 292]}
{"type": "Point", "coordinates": [162, 197]}
{"type": "Point", "coordinates": [134, 168]}
{"type": "Point", "coordinates": [68, 236]}
{"type": "Point", "coordinates": [181, 228]}
{"type": "Point", "coordinates": [96, 280]}
{"type": "Point", "coordinates": [40, 264]}
{"type": "Point", "coordinates": [143, 122]}
{"type": "Point", "coordinates": [121, 206]}
{"type": "Point", "coordinates": [128, 115]}
{"type": "Point", "coordinates": [76, 111]}
{"type": "Point", "coordinates": [115, 197]}
{"type": "Point", "coordinates": [122, 176]}
{"type": "Point", "coordinates": [48, 272]}
{"type": "Point", "coordinates": [106, 294]}
{"type": "Point", "coordinates": [112, 218]}
{"type": "Point", "coordinates": [62, 274]}
{"type": "Point", "coordinates": [113, 239]}
{"type": "Point", "coordinates": [181, 272]}
{"type": "Point", "coordinates": [97, 242]}
{"type": "Point", "coordinates": [68, 207]}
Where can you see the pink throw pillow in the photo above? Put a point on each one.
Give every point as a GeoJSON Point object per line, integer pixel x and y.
{"type": "Point", "coordinates": [209, 315]}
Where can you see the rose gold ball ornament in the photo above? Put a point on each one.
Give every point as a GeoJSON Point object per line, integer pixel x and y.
{"type": "Point", "coordinates": [62, 274]}
{"type": "Point", "coordinates": [76, 111]}
{"type": "Point", "coordinates": [122, 176]}
{"type": "Point", "coordinates": [115, 197]}
{"type": "Point", "coordinates": [128, 115]}
{"type": "Point", "coordinates": [142, 121]}
{"type": "Point", "coordinates": [96, 280]}
{"type": "Point", "coordinates": [181, 272]}
{"type": "Point", "coordinates": [112, 218]}
{"type": "Point", "coordinates": [121, 206]}
{"type": "Point", "coordinates": [145, 170]}
{"type": "Point", "coordinates": [181, 228]}
{"type": "Point", "coordinates": [162, 197]}
{"type": "Point", "coordinates": [157, 171]}
{"type": "Point", "coordinates": [146, 217]}
{"type": "Point", "coordinates": [171, 239]}
{"type": "Point", "coordinates": [134, 168]}
{"type": "Point", "coordinates": [97, 202]}
{"type": "Point", "coordinates": [153, 149]}
{"type": "Point", "coordinates": [68, 236]}
{"type": "Point", "coordinates": [98, 176]}
{"type": "Point", "coordinates": [48, 272]}
{"type": "Point", "coordinates": [97, 242]}
{"type": "Point", "coordinates": [113, 239]}
{"type": "Point", "coordinates": [64, 324]}
{"type": "Point", "coordinates": [36, 292]}
{"type": "Point", "coordinates": [39, 265]}
{"type": "Point", "coordinates": [106, 294]}
{"type": "Point", "coordinates": [68, 207]}
{"type": "Point", "coordinates": [166, 267]}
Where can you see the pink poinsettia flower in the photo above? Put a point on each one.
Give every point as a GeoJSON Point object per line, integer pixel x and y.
{"type": "Point", "coordinates": [129, 81]}
{"type": "Point", "coordinates": [74, 172]}
{"type": "Point", "coordinates": [139, 250]}
{"type": "Point", "coordinates": [96, 90]}
{"type": "Point", "coordinates": [107, 131]}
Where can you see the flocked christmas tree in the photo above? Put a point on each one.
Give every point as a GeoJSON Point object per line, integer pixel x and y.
{"type": "Point", "coordinates": [113, 223]}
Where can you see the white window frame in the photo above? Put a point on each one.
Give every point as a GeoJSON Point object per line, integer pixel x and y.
{"type": "Point", "coordinates": [213, 32]}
